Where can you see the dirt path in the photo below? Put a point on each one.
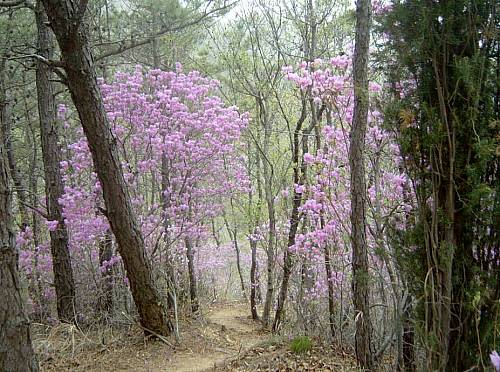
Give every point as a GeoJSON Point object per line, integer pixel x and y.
{"type": "Point", "coordinates": [238, 332]}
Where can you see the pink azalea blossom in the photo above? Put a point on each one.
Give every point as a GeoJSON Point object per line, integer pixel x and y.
{"type": "Point", "coordinates": [52, 225]}
{"type": "Point", "coordinates": [495, 360]}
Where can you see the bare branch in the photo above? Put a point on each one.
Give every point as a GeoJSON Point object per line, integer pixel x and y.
{"type": "Point", "coordinates": [48, 62]}
{"type": "Point", "coordinates": [35, 209]}
{"type": "Point", "coordinates": [11, 3]}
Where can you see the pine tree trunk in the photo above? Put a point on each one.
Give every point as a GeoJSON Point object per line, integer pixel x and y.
{"type": "Point", "coordinates": [360, 281]}
{"type": "Point", "coordinates": [16, 350]}
{"type": "Point", "coordinates": [42, 302]}
{"type": "Point", "coordinates": [6, 121]}
{"type": "Point", "coordinates": [54, 188]}
{"type": "Point", "coordinates": [66, 21]}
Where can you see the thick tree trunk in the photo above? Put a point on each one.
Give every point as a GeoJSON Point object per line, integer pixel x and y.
{"type": "Point", "coordinates": [360, 281]}
{"type": "Point", "coordinates": [54, 188]}
{"type": "Point", "coordinates": [16, 350]}
{"type": "Point", "coordinates": [65, 18]}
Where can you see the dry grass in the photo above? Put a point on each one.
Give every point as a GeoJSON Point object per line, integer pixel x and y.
{"type": "Point", "coordinates": [224, 339]}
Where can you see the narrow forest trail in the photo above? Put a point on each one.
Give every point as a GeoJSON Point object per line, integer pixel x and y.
{"type": "Point", "coordinates": [240, 334]}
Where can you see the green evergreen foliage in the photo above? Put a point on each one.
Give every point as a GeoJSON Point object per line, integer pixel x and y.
{"type": "Point", "coordinates": [449, 48]}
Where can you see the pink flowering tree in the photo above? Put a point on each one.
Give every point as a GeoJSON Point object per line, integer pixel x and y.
{"type": "Point", "coordinates": [323, 243]}
{"type": "Point", "coordinates": [179, 147]}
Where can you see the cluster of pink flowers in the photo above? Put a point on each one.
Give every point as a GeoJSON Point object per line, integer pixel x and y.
{"type": "Point", "coordinates": [178, 143]}
{"type": "Point", "coordinates": [326, 193]}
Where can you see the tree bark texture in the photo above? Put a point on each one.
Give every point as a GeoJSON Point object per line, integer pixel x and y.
{"type": "Point", "coordinates": [267, 172]}
{"type": "Point", "coordinates": [192, 276]}
{"type": "Point", "coordinates": [54, 188]}
{"type": "Point", "coordinates": [170, 270]}
{"type": "Point", "coordinates": [65, 18]}
{"type": "Point", "coordinates": [360, 281]}
{"type": "Point", "coordinates": [6, 121]}
{"type": "Point", "coordinates": [16, 350]}
{"type": "Point", "coordinates": [253, 279]}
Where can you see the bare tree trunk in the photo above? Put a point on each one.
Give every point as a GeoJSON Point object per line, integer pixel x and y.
{"type": "Point", "coordinates": [267, 171]}
{"type": "Point", "coordinates": [287, 261]}
{"type": "Point", "coordinates": [6, 121]}
{"type": "Point", "coordinates": [165, 202]}
{"type": "Point", "coordinates": [54, 188]}
{"type": "Point", "coordinates": [327, 258]}
{"type": "Point", "coordinates": [192, 276]}
{"type": "Point", "coordinates": [234, 237]}
{"type": "Point", "coordinates": [16, 350]}
{"type": "Point", "coordinates": [253, 279]}
{"type": "Point", "coordinates": [238, 264]}
{"type": "Point", "coordinates": [331, 292]}
{"type": "Point", "coordinates": [360, 281]}
{"type": "Point", "coordinates": [66, 20]}
{"type": "Point", "coordinates": [43, 310]}
{"type": "Point", "coordinates": [408, 340]}
{"type": "Point", "coordinates": [253, 222]}
{"type": "Point", "coordinates": [105, 254]}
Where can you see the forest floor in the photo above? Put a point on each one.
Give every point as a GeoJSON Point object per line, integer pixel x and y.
{"type": "Point", "coordinates": [224, 339]}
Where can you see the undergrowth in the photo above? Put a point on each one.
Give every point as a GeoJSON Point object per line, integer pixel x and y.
{"type": "Point", "coordinates": [301, 344]}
